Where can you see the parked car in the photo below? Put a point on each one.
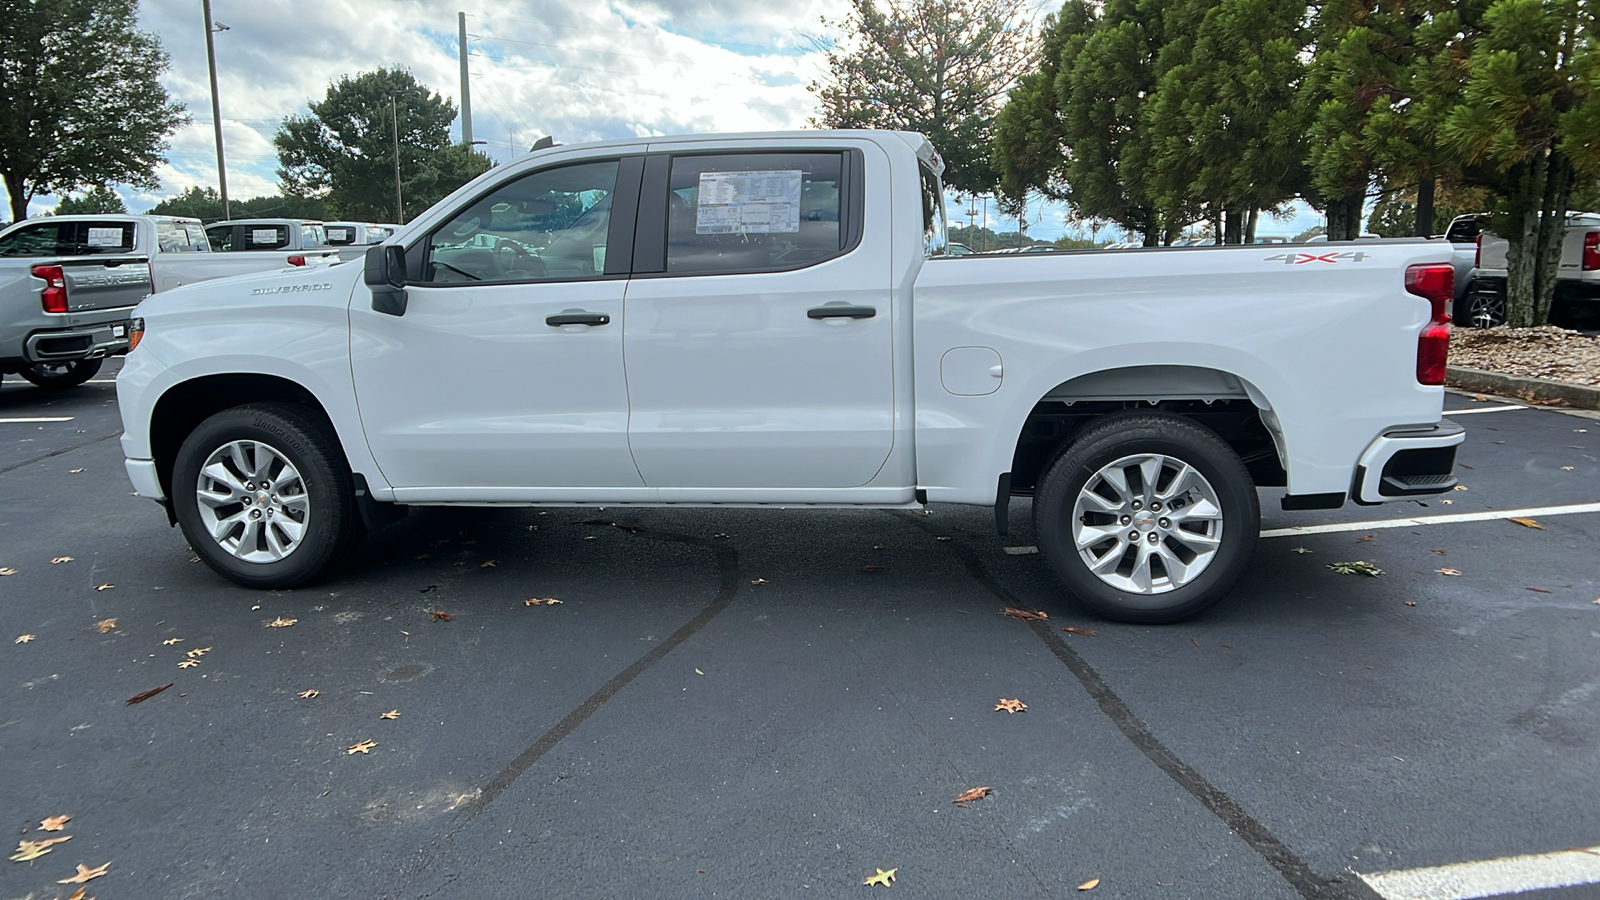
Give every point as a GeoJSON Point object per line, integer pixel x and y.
{"type": "Point", "coordinates": [67, 284]}
{"type": "Point", "coordinates": [793, 335]}
{"type": "Point", "coordinates": [1577, 291]}
{"type": "Point", "coordinates": [955, 249]}
{"type": "Point", "coordinates": [353, 238]}
{"type": "Point", "coordinates": [304, 237]}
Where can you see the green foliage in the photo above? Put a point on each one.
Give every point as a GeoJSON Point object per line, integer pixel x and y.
{"type": "Point", "coordinates": [99, 199]}
{"type": "Point", "coordinates": [81, 103]}
{"type": "Point", "coordinates": [940, 67]}
{"type": "Point", "coordinates": [983, 239]}
{"type": "Point", "coordinates": [205, 204]}
{"type": "Point", "coordinates": [343, 152]}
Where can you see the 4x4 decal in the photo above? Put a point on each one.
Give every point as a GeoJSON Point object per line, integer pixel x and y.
{"type": "Point", "coordinates": [1331, 257]}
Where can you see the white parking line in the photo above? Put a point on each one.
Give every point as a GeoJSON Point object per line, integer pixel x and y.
{"type": "Point", "coordinates": [40, 419]}
{"type": "Point", "coordinates": [1490, 877]}
{"type": "Point", "coordinates": [114, 381]}
{"type": "Point", "coordinates": [1433, 520]}
{"type": "Point", "coordinates": [1452, 412]}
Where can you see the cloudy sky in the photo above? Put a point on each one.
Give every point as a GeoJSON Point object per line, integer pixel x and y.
{"type": "Point", "coordinates": [583, 70]}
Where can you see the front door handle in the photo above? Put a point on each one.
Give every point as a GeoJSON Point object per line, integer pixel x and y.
{"type": "Point", "coordinates": [577, 318]}
{"type": "Point", "coordinates": [841, 312]}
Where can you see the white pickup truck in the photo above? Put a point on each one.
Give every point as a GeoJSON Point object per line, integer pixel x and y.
{"type": "Point", "coordinates": [1577, 292]}
{"type": "Point", "coordinates": [771, 320]}
{"type": "Point", "coordinates": [67, 284]}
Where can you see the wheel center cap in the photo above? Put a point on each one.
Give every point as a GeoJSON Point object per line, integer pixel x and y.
{"type": "Point", "coordinates": [1143, 520]}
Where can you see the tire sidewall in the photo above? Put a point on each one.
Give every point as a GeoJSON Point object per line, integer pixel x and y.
{"type": "Point", "coordinates": [326, 490]}
{"type": "Point", "coordinates": [1127, 436]}
{"type": "Point", "coordinates": [78, 371]}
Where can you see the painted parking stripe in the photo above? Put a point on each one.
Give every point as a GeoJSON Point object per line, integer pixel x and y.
{"type": "Point", "coordinates": [1434, 520]}
{"type": "Point", "coordinates": [1462, 412]}
{"type": "Point", "coordinates": [39, 419]}
{"type": "Point", "coordinates": [1491, 877]}
{"type": "Point", "coordinates": [114, 381]}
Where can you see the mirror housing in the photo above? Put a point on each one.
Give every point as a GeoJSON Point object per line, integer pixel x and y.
{"type": "Point", "coordinates": [386, 275]}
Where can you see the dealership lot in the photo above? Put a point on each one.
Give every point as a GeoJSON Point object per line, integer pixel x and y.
{"type": "Point", "coordinates": [766, 703]}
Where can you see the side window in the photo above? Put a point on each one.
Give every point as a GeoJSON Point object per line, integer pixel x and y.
{"type": "Point", "coordinates": [933, 221]}
{"type": "Point", "coordinates": [547, 224]}
{"type": "Point", "coordinates": [33, 240]}
{"type": "Point", "coordinates": [266, 237]}
{"type": "Point", "coordinates": [753, 212]}
{"type": "Point", "coordinates": [341, 235]}
{"type": "Point", "coordinates": [197, 237]}
{"type": "Point", "coordinates": [221, 237]}
{"type": "Point", "coordinates": [174, 237]}
{"type": "Point", "coordinates": [313, 236]}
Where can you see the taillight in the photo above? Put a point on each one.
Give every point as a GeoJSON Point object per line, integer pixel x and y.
{"type": "Point", "coordinates": [1436, 284]}
{"type": "Point", "coordinates": [1591, 251]}
{"type": "Point", "coordinates": [297, 260]}
{"type": "Point", "coordinates": [54, 296]}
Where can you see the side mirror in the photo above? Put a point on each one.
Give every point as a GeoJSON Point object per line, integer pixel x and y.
{"type": "Point", "coordinates": [386, 276]}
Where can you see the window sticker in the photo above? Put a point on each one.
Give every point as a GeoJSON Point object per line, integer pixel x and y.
{"type": "Point", "coordinates": [339, 234]}
{"type": "Point", "coordinates": [749, 202]}
{"type": "Point", "coordinates": [263, 235]}
{"type": "Point", "coordinates": [105, 237]}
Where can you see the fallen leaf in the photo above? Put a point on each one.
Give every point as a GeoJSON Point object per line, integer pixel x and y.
{"type": "Point", "coordinates": [146, 695]}
{"type": "Point", "coordinates": [1480, 398]}
{"type": "Point", "coordinates": [540, 601]}
{"type": "Point", "coordinates": [198, 652]}
{"type": "Point", "coordinates": [1366, 539]}
{"type": "Point", "coordinates": [1448, 571]}
{"type": "Point", "coordinates": [942, 538]}
{"type": "Point", "coordinates": [85, 874]}
{"type": "Point", "coordinates": [1411, 603]}
{"type": "Point", "coordinates": [1540, 590]}
{"type": "Point", "coordinates": [1527, 523]}
{"type": "Point", "coordinates": [1086, 632]}
{"type": "Point", "coordinates": [60, 559]}
{"type": "Point", "coordinates": [872, 568]}
{"type": "Point", "coordinates": [1300, 550]}
{"type": "Point", "coordinates": [281, 622]}
{"type": "Point", "coordinates": [1011, 706]}
{"type": "Point", "coordinates": [188, 663]}
{"type": "Point", "coordinates": [1445, 502]}
{"type": "Point", "coordinates": [309, 694]}
{"type": "Point", "coordinates": [1089, 885]}
{"type": "Point", "coordinates": [74, 471]}
{"type": "Point", "coordinates": [391, 714]}
{"type": "Point", "coordinates": [759, 581]}
{"type": "Point", "coordinates": [1026, 615]}
{"type": "Point", "coordinates": [1194, 642]}
{"type": "Point", "coordinates": [27, 850]}
{"type": "Point", "coordinates": [1597, 603]}
{"type": "Point", "coordinates": [78, 894]}
{"type": "Point", "coordinates": [8, 571]}
{"type": "Point", "coordinates": [54, 823]}
{"type": "Point", "coordinates": [170, 641]}
{"type": "Point", "coordinates": [1357, 567]}
{"type": "Point", "coordinates": [1580, 431]}
{"type": "Point", "coordinates": [489, 564]}
{"type": "Point", "coordinates": [105, 625]}
{"type": "Point", "coordinates": [440, 615]}
{"type": "Point", "coordinates": [1566, 468]}
{"type": "Point", "coordinates": [1442, 552]}
{"type": "Point", "coordinates": [24, 638]}
{"type": "Point", "coordinates": [719, 536]}
{"type": "Point", "coordinates": [977, 793]}
{"type": "Point", "coordinates": [884, 878]}
{"type": "Point", "coordinates": [1459, 487]}
{"type": "Point", "coordinates": [361, 747]}
{"type": "Point", "coordinates": [104, 587]}
{"type": "Point", "coordinates": [698, 672]}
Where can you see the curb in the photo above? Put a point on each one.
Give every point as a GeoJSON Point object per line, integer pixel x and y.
{"type": "Point", "coordinates": [1535, 390]}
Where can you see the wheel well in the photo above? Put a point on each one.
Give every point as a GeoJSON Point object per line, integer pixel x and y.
{"type": "Point", "coordinates": [1060, 415]}
{"type": "Point", "coordinates": [186, 405]}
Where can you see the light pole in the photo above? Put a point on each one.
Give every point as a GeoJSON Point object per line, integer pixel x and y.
{"type": "Point", "coordinates": [216, 105]}
{"type": "Point", "coordinates": [394, 119]}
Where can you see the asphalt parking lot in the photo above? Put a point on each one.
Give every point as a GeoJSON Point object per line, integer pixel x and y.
{"type": "Point", "coordinates": [736, 703]}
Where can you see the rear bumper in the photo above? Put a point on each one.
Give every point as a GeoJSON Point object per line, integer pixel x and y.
{"type": "Point", "coordinates": [82, 342]}
{"type": "Point", "coordinates": [1408, 462]}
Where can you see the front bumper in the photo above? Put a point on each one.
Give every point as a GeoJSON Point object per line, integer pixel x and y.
{"type": "Point", "coordinates": [1408, 462]}
{"type": "Point", "coordinates": [146, 482]}
{"type": "Point", "coordinates": [83, 342]}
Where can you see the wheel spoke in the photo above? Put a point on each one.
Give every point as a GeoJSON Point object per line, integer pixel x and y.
{"type": "Point", "coordinates": [1114, 476]}
{"type": "Point", "coordinates": [253, 501]}
{"type": "Point", "coordinates": [1150, 473]}
{"type": "Point", "coordinates": [1090, 535]}
{"type": "Point", "coordinates": [1108, 563]}
{"type": "Point", "coordinates": [219, 473]}
{"type": "Point", "coordinates": [1183, 531]}
{"type": "Point", "coordinates": [1140, 576]}
{"type": "Point", "coordinates": [222, 526]}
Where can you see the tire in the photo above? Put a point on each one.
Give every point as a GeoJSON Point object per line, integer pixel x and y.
{"type": "Point", "coordinates": [62, 375]}
{"type": "Point", "coordinates": [1486, 308]}
{"type": "Point", "coordinates": [218, 489]}
{"type": "Point", "coordinates": [1097, 487]}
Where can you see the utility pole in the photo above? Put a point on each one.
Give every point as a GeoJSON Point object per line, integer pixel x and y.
{"type": "Point", "coordinates": [466, 91]}
{"type": "Point", "coordinates": [216, 105]}
{"type": "Point", "coordinates": [394, 120]}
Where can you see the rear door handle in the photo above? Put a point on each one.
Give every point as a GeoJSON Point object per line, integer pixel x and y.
{"type": "Point", "coordinates": [841, 312]}
{"type": "Point", "coordinates": [577, 318]}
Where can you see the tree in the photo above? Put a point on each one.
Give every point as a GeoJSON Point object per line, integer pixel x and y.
{"type": "Point", "coordinates": [80, 100]}
{"type": "Point", "coordinates": [99, 199]}
{"type": "Point", "coordinates": [940, 67]}
{"type": "Point", "coordinates": [205, 204]}
{"type": "Point", "coordinates": [343, 151]}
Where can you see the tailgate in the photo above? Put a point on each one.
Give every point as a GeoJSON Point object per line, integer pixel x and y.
{"type": "Point", "coordinates": [105, 283]}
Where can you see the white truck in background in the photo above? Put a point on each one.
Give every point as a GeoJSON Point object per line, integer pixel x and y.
{"type": "Point", "coordinates": [1577, 294]}
{"type": "Point", "coordinates": [353, 238]}
{"type": "Point", "coordinates": [773, 320]}
{"type": "Point", "coordinates": [68, 283]}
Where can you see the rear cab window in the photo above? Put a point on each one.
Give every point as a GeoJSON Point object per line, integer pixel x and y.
{"type": "Point", "coordinates": [340, 235]}
{"type": "Point", "coordinates": [69, 239]}
{"type": "Point", "coordinates": [266, 237]}
{"type": "Point", "coordinates": [220, 237]}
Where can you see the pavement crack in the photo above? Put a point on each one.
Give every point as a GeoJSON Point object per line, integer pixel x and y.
{"type": "Point", "coordinates": [53, 453]}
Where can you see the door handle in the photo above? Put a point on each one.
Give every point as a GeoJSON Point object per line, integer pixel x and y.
{"type": "Point", "coordinates": [577, 318]}
{"type": "Point", "coordinates": [841, 312]}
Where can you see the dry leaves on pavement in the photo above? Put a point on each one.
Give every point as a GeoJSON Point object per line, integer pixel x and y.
{"type": "Point", "coordinates": [884, 877]}
{"type": "Point", "coordinates": [170, 641]}
{"type": "Point", "coordinates": [1448, 571]}
{"type": "Point", "coordinates": [1089, 885]}
{"type": "Point", "coordinates": [85, 874]}
{"type": "Point", "coordinates": [105, 625]}
{"type": "Point", "coordinates": [146, 695]}
{"type": "Point", "coordinates": [1526, 523]}
{"type": "Point", "coordinates": [54, 823]}
{"type": "Point", "coordinates": [1356, 567]}
{"type": "Point", "coordinates": [391, 714]}
{"type": "Point", "coordinates": [27, 850]}
{"type": "Point", "coordinates": [1073, 629]}
{"type": "Point", "coordinates": [281, 622]}
{"type": "Point", "coordinates": [56, 561]}
{"type": "Point", "coordinates": [977, 793]}
{"type": "Point", "coordinates": [1011, 706]}
{"type": "Point", "coordinates": [188, 663]}
{"type": "Point", "coordinates": [540, 601]}
{"type": "Point", "coordinates": [1026, 615]}
{"type": "Point", "coordinates": [440, 615]}
{"type": "Point", "coordinates": [360, 747]}
{"type": "Point", "coordinates": [7, 571]}
{"type": "Point", "coordinates": [309, 694]}
{"type": "Point", "coordinates": [104, 587]}
{"type": "Point", "coordinates": [24, 638]}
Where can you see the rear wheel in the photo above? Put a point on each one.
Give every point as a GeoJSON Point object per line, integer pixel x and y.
{"type": "Point", "coordinates": [61, 375]}
{"type": "Point", "coordinates": [1486, 307]}
{"type": "Point", "coordinates": [263, 495]}
{"type": "Point", "coordinates": [1147, 517]}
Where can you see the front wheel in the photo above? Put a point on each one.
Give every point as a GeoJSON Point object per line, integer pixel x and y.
{"type": "Point", "coordinates": [1147, 517]}
{"type": "Point", "coordinates": [263, 495]}
{"type": "Point", "coordinates": [1486, 307]}
{"type": "Point", "coordinates": [61, 375]}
